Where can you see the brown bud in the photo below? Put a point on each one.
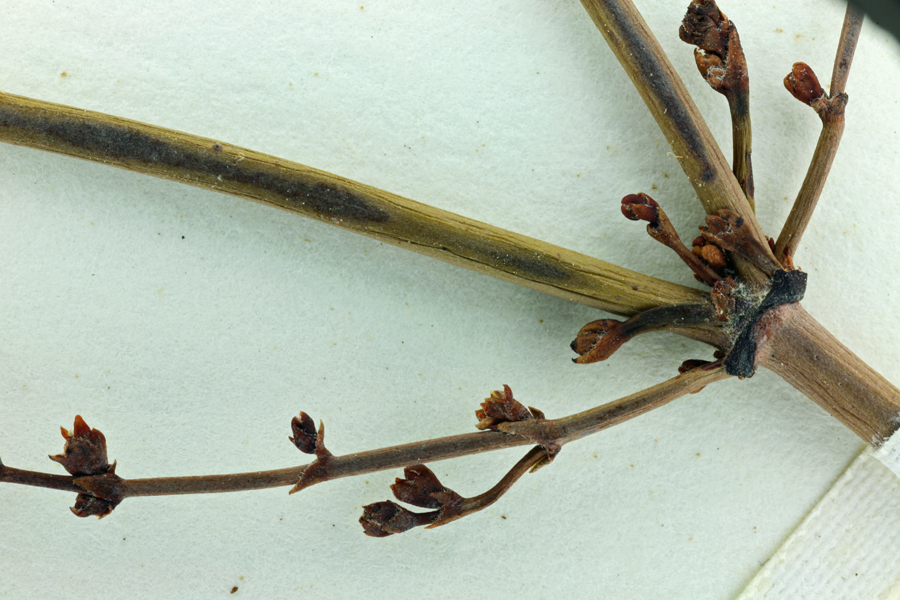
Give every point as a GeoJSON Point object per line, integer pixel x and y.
{"type": "Point", "coordinates": [803, 84]}
{"type": "Point", "coordinates": [304, 430]}
{"type": "Point", "coordinates": [713, 256]}
{"type": "Point", "coordinates": [712, 67]}
{"type": "Point", "coordinates": [500, 408]}
{"type": "Point", "coordinates": [719, 55]}
{"type": "Point", "coordinates": [598, 340]}
{"type": "Point", "coordinates": [85, 450]}
{"type": "Point", "coordinates": [317, 470]}
{"type": "Point", "coordinates": [422, 488]}
{"type": "Point", "coordinates": [87, 506]}
{"type": "Point", "coordinates": [703, 26]}
{"type": "Point", "coordinates": [731, 232]}
{"type": "Point", "coordinates": [387, 518]}
{"type": "Point", "coordinates": [640, 207]}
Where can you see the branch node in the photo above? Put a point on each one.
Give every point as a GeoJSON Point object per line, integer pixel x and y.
{"type": "Point", "coordinates": [316, 471]}
{"type": "Point", "coordinates": [84, 456]}
{"type": "Point", "coordinates": [422, 488]}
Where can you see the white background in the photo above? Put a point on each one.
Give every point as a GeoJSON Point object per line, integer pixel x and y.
{"type": "Point", "coordinates": [190, 327]}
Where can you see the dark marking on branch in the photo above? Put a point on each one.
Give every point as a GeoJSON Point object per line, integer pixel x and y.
{"type": "Point", "coordinates": [787, 287]}
{"type": "Point", "coordinates": [129, 147]}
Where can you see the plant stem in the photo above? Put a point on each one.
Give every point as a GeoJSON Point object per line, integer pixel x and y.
{"type": "Point", "coordinates": [561, 431]}
{"type": "Point", "coordinates": [853, 20]}
{"type": "Point", "coordinates": [360, 208]}
{"type": "Point", "coordinates": [37, 479]}
{"type": "Point", "coordinates": [588, 422]}
{"type": "Point", "coordinates": [721, 61]}
{"type": "Point", "coordinates": [676, 114]}
{"type": "Point", "coordinates": [742, 141]}
{"type": "Point", "coordinates": [813, 184]}
{"type": "Point", "coordinates": [482, 501]}
{"type": "Point", "coordinates": [796, 347]}
{"type": "Point", "coordinates": [831, 111]}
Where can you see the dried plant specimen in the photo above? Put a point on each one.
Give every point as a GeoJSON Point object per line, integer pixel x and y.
{"type": "Point", "coordinates": [630, 236]}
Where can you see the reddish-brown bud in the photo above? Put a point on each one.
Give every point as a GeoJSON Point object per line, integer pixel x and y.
{"type": "Point", "coordinates": [712, 67]}
{"type": "Point", "coordinates": [387, 518]}
{"type": "Point", "coordinates": [598, 340]}
{"type": "Point", "coordinates": [316, 471]}
{"type": "Point", "coordinates": [719, 56]}
{"type": "Point", "coordinates": [91, 506]}
{"type": "Point", "coordinates": [690, 365]}
{"type": "Point", "coordinates": [501, 407]}
{"type": "Point", "coordinates": [640, 207]}
{"type": "Point", "coordinates": [731, 232]}
{"type": "Point", "coordinates": [422, 488]}
{"type": "Point", "coordinates": [304, 430]}
{"type": "Point", "coordinates": [803, 84]}
{"type": "Point", "coordinates": [713, 256]}
{"type": "Point", "coordinates": [104, 493]}
{"type": "Point", "coordinates": [705, 26]}
{"type": "Point", "coordinates": [722, 296]}
{"type": "Point", "coordinates": [85, 450]}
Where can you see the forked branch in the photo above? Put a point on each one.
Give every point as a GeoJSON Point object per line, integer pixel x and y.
{"type": "Point", "coordinates": [100, 489]}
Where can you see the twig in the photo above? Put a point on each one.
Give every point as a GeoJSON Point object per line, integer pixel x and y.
{"type": "Point", "coordinates": [641, 207]}
{"type": "Point", "coordinates": [312, 193]}
{"type": "Point", "coordinates": [37, 479]}
{"type": "Point", "coordinates": [574, 427]}
{"type": "Point", "coordinates": [676, 114]}
{"type": "Point", "coordinates": [853, 20]}
{"type": "Point", "coordinates": [422, 488]}
{"type": "Point", "coordinates": [720, 59]}
{"type": "Point", "coordinates": [549, 432]}
{"type": "Point", "coordinates": [802, 83]}
{"type": "Point", "coordinates": [598, 340]}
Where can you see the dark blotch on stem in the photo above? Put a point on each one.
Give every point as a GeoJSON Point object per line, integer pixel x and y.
{"type": "Point", "coordinates": [534, 268]}
{"type": "Point", "coordinates": [129, 146]}
{"type": "Point", "coordinates": [787, 287]}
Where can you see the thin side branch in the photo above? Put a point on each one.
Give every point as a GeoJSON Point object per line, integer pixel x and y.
{"type": "Point", "coordinates": [813, 184]}
{"type": "Point", "coordinates": [552, 432]}
{"type": "Point", "coordinates": [802, 83]}
{"type": "Point", "coordinates": [574, 427]}
{"type": "Point", "coordinates": [535, 457]}
{"type": "Point", "coordinates": [422, 488]}
{"type": "Point", "coordinates": [676, 114]}
{"type": "Point", "coordinates": [853, 20]}
{"type": "Point", "coordinates": [348, 204]}
{"type": "Point", "coordinates": [720, 59]}
{"type": "Point", "coordinates": [742, 146]}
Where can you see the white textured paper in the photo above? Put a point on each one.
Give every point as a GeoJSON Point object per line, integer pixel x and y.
{"type": "Point", "coordinates": [889, 453]}
{"type": "Point", "coordinates": [848, 546]}
{"type": "Point", "coordinates": [190, 327]}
